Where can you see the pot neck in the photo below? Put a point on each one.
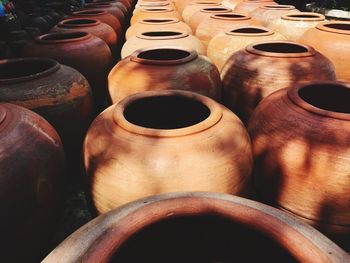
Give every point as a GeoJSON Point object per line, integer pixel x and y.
{"type": "Point", "coordinates": [230, 17]}
{"type": "Point", "coordinates": [304, 16]}
{"type": "Point", "coordinates": [62, 38]}
{"type": "Point", "coordinates": [88, 13]}
{"type": "Point", "coordinates": [162, 35]}
{"type": "Point", "coordinates": [337, 27]}
{"type": "Point", "coordinates": [156, 9]}
{"type": "Point", "coordinates": [78, 23]}
{"type": "Point", "coordinates": [159, 21]}
{"type": "Point", "coordinates": [250, 31]}
{"type": "Point", "coordinates": [278, 7]}
{"type": "Point", "coordinates": [215, 10]}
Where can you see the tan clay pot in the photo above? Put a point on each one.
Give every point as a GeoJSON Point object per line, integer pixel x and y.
{"type": "Point", "coordinates": [220, 23]}
{"type": "Point", "coordinates": [190, 10]}
{"type": "Point", "coordinates": [164, 69]}
{"type": "Point", "coordinates": [294, 25]}
{"type": "Point", "coordinates": [199, 16]}
{"type": "Point", "coordinates": [255, 72]}
{"type": "Point", "coordinates": [162, 38]}
{"type": "Point", "coordinates": [268, 13]}
{"type": "Point", "coordinates": [333, 40]}
{"type": "Point", "coordinates": [249, 6]}
{"type": "Point", "coordinates": [302, 153]}
{"type": "Point", "coordinates": [182, 141]}
{"type": "Point", "coordinates": [157, 24]}
{"type": "Point", "coordinates": [223, 45]}
{"type": "Point", "coordinates": [230, 228]}
{"type": "Point", "coordinates": [155, 12]}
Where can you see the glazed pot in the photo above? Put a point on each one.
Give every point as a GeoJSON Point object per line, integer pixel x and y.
{"type": "Point", "coordinates": [268, 13]}
{"type": "Point", "coordinates": [162, 149]}
{"type": "Point", "coordinates": [199, 16]}
{"type": "Point", "coordinates": [57, 92]}
{"type": "Point", "coordinates": [197, 6]}
{"type": "Point", "coordinates": [128, 4]}
{"type": "Point", "coordinates": [302, 153]}
{"type": "Point", "coordinates": [224, 45]}
{"type": "Point", "coordinates": [333, 40]}
{"type": "Point", "coordinates": [157, 24]}
{"type": "Point", "coordinates": [179, 39]}
{"type": "Point", "coordinates": [113, 10]}
{"type": "Point", "coordinates": [255, 72]}
{"type": "Point", "coordinates": [164, 69]}
{"type": "Point", "coordinates": [32, 177]}
{"type": "Point", "coordinates": [155, 12]}
{"type": "Point", "coordinates": [294, 25]}
{"type": "Point", "coordinates": [230, 228]}
{"type": "Point", "coordinates": [219, 23]}
{"type": "Point", "coordinates": [83, 51]}
{"type": "Point", "coordinates": [249, 6]}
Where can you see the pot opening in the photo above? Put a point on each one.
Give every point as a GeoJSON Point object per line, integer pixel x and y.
{"type": "Point", "coordinates": [166, 112]}
{"type": "Point", "coordinates": [164, 54]}
{"type": "Point", "coordinates": [338, 26]}
{"type": "Point", "coordinates": [330, 97]}
{"type": "Point", "coordinates": [216, 9]}
{"type": "Point", "coordinates": [158, 20]}
{"type": "Point", "coordinates": [280, 47]}
{"type": "Point", "coordinates": [79, 22]}
{"type": "Point", "coordinates": [249, 30]}
{"type": "Point", "coordinates": [202, 238]}
{"type": "Point", "coordinates": [303, 16]}
{"type": "Point", "coordinates": [161, 34]}
{"type": "Point", "coordinates": [230, 16]}
{"type": "Point", "coordinates": [279, 6]}
{"type": "Point", "coordinates": [156, 9]}
{"type": "Point", "coordinates": [63, 36]}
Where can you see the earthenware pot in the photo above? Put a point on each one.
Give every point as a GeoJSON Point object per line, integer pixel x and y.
{"type": "Point", "coordinates": [268, 13]}
{"type": "Point", "coordinates": [155, 12]}
{"type": "Point", "coordinates": [249, 6]}
{"type": "Point", "coordinates": [197, 6]}
{"type": "Point", "coordinates": [199, 16]}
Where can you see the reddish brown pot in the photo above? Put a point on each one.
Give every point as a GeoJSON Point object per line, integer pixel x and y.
{"type": "Point", "coordinates": [152, 142]}
{"type": "Point", "coordinates": [253, 73]}
{"type": "Point", "coordinates": [197, 6]}
{"type": "Point", "coordinates": [155, 12]}
{"type": "Point", "coordinates": [113, 10]}
{"type": "Point", "coordinates": [88, 54]}
{"type": "Point", "coordinates": [302, 153]}
{"type": "Point", "coordinates": [32, 177]}
{"type": "Point", "coordinates": [164, 69]}
{"type": "Point", "coordinates": [199, 16]}
{"type": "Point", "coordinates": [236, 230]}
{"type": "Point", "coordinates": [249, 6]}
{"type": "Point", "coordinates": [268, 13]}
{"type": "Point", "coordinates": [333, 40]}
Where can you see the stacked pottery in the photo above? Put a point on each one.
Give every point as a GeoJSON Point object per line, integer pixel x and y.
{"type": "Point", "coordinates": [249, 6]}
{"type": "Point", "coordinates": [155, 12]}
{"type": "Point", "coordinates": [197, 6]}
{"type": "Point", "coordinates": [199, 16]}
{"type": "Point", "coordinates": [268, 13]}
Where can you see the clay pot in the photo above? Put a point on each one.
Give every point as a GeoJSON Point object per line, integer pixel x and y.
{"type": "Point", "coordinates": [32, 177]}
{"type": "Point", "coordinates": [294, 25]}
{"type": "Point", "coordinates": [93, 26]}
{"type": "Point", "coordinates": [103, 16]}
{"type": "Point", "coordinates": [268, 13]}
{"type": "Point", "coordinates": [223, 45]}
{"type": "Point", "coordinates": [113, 10]}
{"type": "Point", "coordinates": [333, 40]}
{"type": "Point", "coordinates": [154, 24]}
{"type": "Point", "coordinates": [154, 12]}
{"type": "Point", "coordinates": [58, 93]}
{"type": "Point", "coordinates": [249, 6]}
{"type": "Point", "coordinates": [255, 72]}
{"type": "Point", "coordinates": [220, 23]}
{"type": "Point", "coordinates": [204, 13]}
{"type": "Point", "coordinates": [162, 149]}
{"type": "Point", "coordinates": [128, 4]}
{"type": "Point", "coordinates": [230, 228]}
{"type": "Point", "coordinates": [162, 39]}
{"type": "Point", "coordinates": [153, 3]}
{"type": "Point", "coordinates": [83, 51]}
{"type": "Point", "coordinates": [190, 10]}
{"type": "Point", "coordinates": [302, 152]}
{"type": "Point", "coordinates": [164, 69]}
{"type": "Point", "coordinates": [231, 3]}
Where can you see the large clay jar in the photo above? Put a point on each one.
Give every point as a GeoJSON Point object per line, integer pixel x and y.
{"type": "Point", "coordinates": [219, 23]}
{"type": "Point", "coordinates": [294, 25]}
{"type": "Point", "coordinates": [223, 45]}
{"type": "Point", "coordinates": [255, 72]}
{"type": "Point", "coordinates": [157, 24]}
{"type": "Point", "coordinates": [333, 40]}
{"type": "Point", "coordinates": [199, 16]}
{"type": "Point", "coordinates": [32, 177]}
{"type": "Point", "coordinates": [83, 51]}
{"type": "Point", "coordinates": [113, 10]}
{"type": "Point", "coordinates": [197, 6]}
{"type": "Point", "coordinates": [268, 13]}
{"type": "Point", "coordinates": [161, 39]}
{"type": "Point", "coordinates": [164, 69]}
{"type": "Point", "coordinates": [249, 6]}
{"type": "Point", "coordinates": [302, 153]}
{"type": "Point", "coordinates": [155, 12]}
{"type": "Point", "coordinates": [165, 141]}
{"type": "Point", "coordinates": [197, 227]}
{"type": "Point", "coordinates": [57, 92]}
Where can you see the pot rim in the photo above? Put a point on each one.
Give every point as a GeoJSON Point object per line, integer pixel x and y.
{"type": "Point", "coordinates": [298, 16]}
{"type": "Point", "coordinates": [97, 4]}
{"type": "Point", "coordinates": [268, 32]}
{"type": "Point", "coordinates": [169, 21]}
{"type": "Point", "coordinates": [147, 1]}
{"type": "Point", "coordinates": [231, 16]}
{"type": "Point", "coordinates": [84, 36]}
{"type": "Point", "coordinates": [278, 7]}
{"type": "Point", "coordinates": [64, 24]}
{"type": "Point", "coordinates": [54, 67]}
{"type": "Point", "coordinates": [213, 118]}
{"type": "Point", "coordinates": [218, 10]}
{"type": "Point", "coordinates": [214, 3]}
{"type": "Point", "coordinates": [95, 12]}
{"type": "Point", "coordinates": [293, 95]}
{"type": "Point", "coordinates": [323, 26]}
{"type": "Point", "coordinates": [310, 51]}
{"type": "Point", "coordinates": [154, 4]}
{"type": "Point", "coordinates": [180, 34]}
{"type": "Point", "coordinates": [156, 9]}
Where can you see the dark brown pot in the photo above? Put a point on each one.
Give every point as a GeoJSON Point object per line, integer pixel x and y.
{"type": "Point", "coordinates": [113, 10]}
{"type": "Point", "coordinates": [32, 177]}
{"type": "Point", "coordinates": [86, 53]}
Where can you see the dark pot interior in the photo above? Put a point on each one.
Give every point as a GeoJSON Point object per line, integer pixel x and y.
{"type": "Point", "coordinates": [23, 68]}
{"type": "Point", "coordinates": [279, 47]}
{"type": "Point", "coordinates": [249, 30]}
{"type": "Point", "coordinates": [161, 34]}
{"type": "Point", "coordinates": [164, 54]}
{"type": "Point", "coordinates": [338, 26]}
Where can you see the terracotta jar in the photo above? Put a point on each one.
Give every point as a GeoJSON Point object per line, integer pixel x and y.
{"type": "Point", "coordinates": [93, 26]}
{"type": "Point", "coordinates": [154, 24]}
{"type": "Point", "coordinates": [204, 13]}
{"type": "Point", "coordinates": [169, 68]}
{"type": "Point", "coordinates": [268, 13]}
{"type": "Point", "coordinates": [128, 4]}
{"type": "Point", "coordinates": [86, 53]}
{"type": "Point", "coordinates": [32, 177]}
{"type": "Point", "coordinates": [231, 3]}
{"type": "Point", "coordinates": [101, 15]}
{"type": "Point", "coordinates": [155, 12]}
{"type": "Point", "coordinates": [223, 45]}
{"type": "Point", "coordinates": [191, 9]}
{"type": "Point", "coordinates": [220, 23]}
{"type": "Point", "coordinates": [230, 228]}
{"type": "Point", "coordinates": [151, 39]}
{"type": "Point", "coordinates": [302, 153]}
{"type": "Point", "coordinates": [249, 6]}
{"type": "Point", "coordinates": [255, 72]}
{"type": "Point", "coordinates": [163, 149]}
{"type": "Point", "coordinates": [113, 10]}
{"type": "Point", "coordinates": [333, 40]}
{"type": "Point", "coordinates": [153, 3]}
{"type": "Point", "coordinates": [294, 25]}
